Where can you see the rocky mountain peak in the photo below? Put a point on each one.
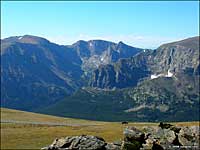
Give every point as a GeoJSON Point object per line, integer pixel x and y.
{"type": "Point", "coordinates": [29, 39]}
{"type": "Point", "coordinates": [121, 43]}
{"type": "Point", "coordinates": [190, 43]}
{"type": "Point", "coordinates": [80, 43]}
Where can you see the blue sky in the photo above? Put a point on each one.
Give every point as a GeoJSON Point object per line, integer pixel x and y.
{"type": "Point", "coordinates": [141, 24]}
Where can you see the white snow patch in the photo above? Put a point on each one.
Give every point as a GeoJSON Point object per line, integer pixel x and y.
{"type": "Point", "coordinates": [20, 37]}
{"type": "Point", "coordinates": [154, 76]}
{"type": "Point", "coordinates": [103, 58]}
{"type": "Point", "coordinates": [144, 50]}
{"type": "Point", "coordinates": [90, 44]}
{"type": "Point", "coordinates": [169, 74]}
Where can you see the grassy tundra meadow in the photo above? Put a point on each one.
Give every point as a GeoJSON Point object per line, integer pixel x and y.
{"type": "Point", "coordinates": [25, 130]}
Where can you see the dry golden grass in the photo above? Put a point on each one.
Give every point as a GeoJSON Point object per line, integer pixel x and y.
{"type": "Point", "coordinates": [26, 136]}
{"type": "Point", "coordinates": [37, 136]}
{"type": "Point", "coordinates": [11, 114]}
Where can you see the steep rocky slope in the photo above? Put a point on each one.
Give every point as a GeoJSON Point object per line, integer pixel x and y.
{"type": "Point", "coordinates": [177, 57]}
{"type": "Point", "coordinates": [124, 73]}
{"type": "Point", "coordinates": [36, 72]}
{"type": "Point", "coordinates": [167, 60]}
{"type": "Point", "coordinates": [94, 53]}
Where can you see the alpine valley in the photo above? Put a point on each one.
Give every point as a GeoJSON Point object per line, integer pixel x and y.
{"type": "Point", "coordinates": [101, 80]}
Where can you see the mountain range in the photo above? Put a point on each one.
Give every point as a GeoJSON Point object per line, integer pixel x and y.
{"type": "Point", "coordinates": [36, 72]}
{"type": "Point", "coordinates": [101, 80]}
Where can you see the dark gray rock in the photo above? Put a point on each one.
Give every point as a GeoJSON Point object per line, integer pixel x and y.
{"type": "Point", "coordinates": [166, 137]}
{"type": "Point", "coordinates": [189, 136]}
{"type": "Point", "coordinates": [82, 142]}
{"type": "Point", "coordinates": [171, 136]}
{"type": "Point", "coordinates": [132, 133]}
{"type": "Point", "coordinates": [164, 125]}
{"type": "Point", "coordinates": [160, 138]}
{"type": "Point", "coordinates": [133, 139]}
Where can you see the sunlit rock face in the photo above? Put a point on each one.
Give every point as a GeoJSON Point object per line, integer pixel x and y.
{"type": "Point", "coordinates": [94, 53]}
{"type": "Point", "coordinates": [180, 57]}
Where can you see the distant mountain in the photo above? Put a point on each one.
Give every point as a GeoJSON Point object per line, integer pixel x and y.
{"type": "Point", "coordinates": [159, 85]}
{"type": "Point", "coordinates": [36, 73]}
{"type": "Point", "coordinates": [167, 60]}
{"type": "Point", "coordinates": [94, 53]}
{"type": "Point", "coordinates": [111, 81]}
{"type": "Point", "coordinates": [177, 57]}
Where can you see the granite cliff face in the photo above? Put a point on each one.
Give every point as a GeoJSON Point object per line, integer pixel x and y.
{"type": "Point", "coordinates": [122, 74]}
{"type": "Point", "coordinates": [177, 57]}
{"type": "Point", "coordinates": [94, 53]}
{"type": "Point", "coordinates": [168, 60]}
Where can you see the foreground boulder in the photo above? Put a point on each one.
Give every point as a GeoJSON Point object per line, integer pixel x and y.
{"type": "Point", "coordinates": [189, 136]}
{"type": "Point", "coordinates": [82, 142]}
{"type": "Point", "coordinates": [162, 137]}
{"type": "Point", "coordinates": [171, 137]}
{"type": "Point", "coordinates": [133, 139]}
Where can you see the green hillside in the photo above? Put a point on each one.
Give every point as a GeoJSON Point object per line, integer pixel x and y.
{"type": "Point", "coordinates": [160, 99]}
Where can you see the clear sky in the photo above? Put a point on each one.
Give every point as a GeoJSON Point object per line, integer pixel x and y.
{"type": "Point", "coordinates": [142, 24]}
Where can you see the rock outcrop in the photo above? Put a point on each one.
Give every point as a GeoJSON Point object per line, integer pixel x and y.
{"type": "Point", "coordinates": [163, 137]}
{"type": "Point", "coordinates": [78, 142]}
{"type": "Point", "coordinates": [133, 139]}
